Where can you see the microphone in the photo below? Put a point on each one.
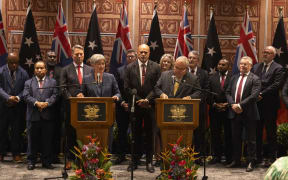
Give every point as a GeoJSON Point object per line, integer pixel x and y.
{"type": "Point", "coordinates": [173, 79]}
{"type": "Point", "coordinates": [98, 78]}
{"type": "Point", "coordinates": [134, 92]}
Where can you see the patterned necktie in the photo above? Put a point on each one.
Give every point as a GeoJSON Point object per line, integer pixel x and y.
{"type": "Point", "coordinates": [176, 86]}
{"type": "Point", "coordinates": [79, 75]}
{"type": "Point", "coordinates": [51, 74]}
{"type": "Point", "coordinates": [238, 96]}
{"type": "Point", "coordinates": [143, 73]}
{"type": "Point", "coordinates": [264, 70]}
{"type": "Point", "coordinates": [13, 77]}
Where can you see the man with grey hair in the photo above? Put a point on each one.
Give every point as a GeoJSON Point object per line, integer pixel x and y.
{"type": "Point", "coordinates": [242, 94]}
{"type": "Point", "coordinates": [178, 83]}
{"type": "Point", "coordinates": [73, 74]}
{"type": "Point", "coordinates": [271, 75]}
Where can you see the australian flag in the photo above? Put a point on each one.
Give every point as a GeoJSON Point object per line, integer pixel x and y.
{"type": "Point", "coordinates": [29, 50]}
{"type": "Point", "coordinates": [61, 43]}
{"type": "Point", "coordinates": [122, 42]}
{"type": "Point", "coordinates": [155, 39]}
{"type": "Point", "coordinates": [212, 52]}
{"type": "Point", "coordinates": [184, 40]}
{"type": "Point", "coordinates": [246, 44]}
{"type": "Point", "coordinates": [279, 42]}
{"type": "Point", "coordinates": [93, 44]}
{"type": "Point", "coordinates": [3, 43]}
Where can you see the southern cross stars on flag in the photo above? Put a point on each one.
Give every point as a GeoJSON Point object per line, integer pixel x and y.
{"type": "Point", "coordinates": [122, 42]}
{"type": "Point", "coordinates": [61, 43]}
{"type": "Point", "coordinates": [155, 39]}
{"type": "Point", "coordinates": [246, 44]}
{"type": "Point", "coordinates": [29, 50]}
{"type": "Point", "coordinates": [3, 43]}
{"type": "Point", "coordinates": [93, 44]}
{"type": "Point", "coordinates": [184, 40]}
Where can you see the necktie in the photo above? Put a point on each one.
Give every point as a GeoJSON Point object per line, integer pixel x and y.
{"type": "Point", "coordinates": [13, 77]}
{"type": "Point", "coordinates": [223, 77]}
{"type": "Point", "coordinates": [264, 70]}
{"type": "Point", "coordinates": [79, 75]}
{"type": "Point", "coordinates": [143, 73]}
{"type": "Point", "coordinates": [193, 71]}
{"type": "Point", "coordinates": [238, 95]}
{"type": "Point", "coordinates": [41, 85]}
{"type": "Point", "coordinates": [176, 86]}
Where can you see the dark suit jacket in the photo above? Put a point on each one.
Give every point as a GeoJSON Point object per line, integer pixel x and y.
{"type": "Point", "coordinates": [215, 86]}
{"type": "Point", "coordinates": [186, 88]}
{"type": "Point", "coordinates": [270, 83]}
{"type": "Point", "coordinates": [32, 94]}
{"type": "Point", "coordinates": [250, 94]}
{"type": "Point", "coordinates": [6, 88]}
{"type": "Point", "coordinates": [56, 73]}
{"type": "Point", "coordinates": [132, 80]}
{"type": "Point", "coordinates": [107, 88]}
{"type": "Point", "coordinates": [120, 75]}
{"type": "Point", "coordinates": [285, 93]}
{"type": "Point", "coordinates": [203, 80]}
{"type": "Point", "coordinates": [69, 76]}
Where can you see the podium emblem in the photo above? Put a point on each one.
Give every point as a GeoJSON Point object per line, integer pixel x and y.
{"type": "Point", "coordinates": [178, 112]}
{"type": "Point", "coordinates": [91, 112]}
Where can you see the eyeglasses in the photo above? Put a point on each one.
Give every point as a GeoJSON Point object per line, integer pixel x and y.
{"type": "Point", "coordinates": [180, 69]}
{"type": "Point", "coordinates": [266, 52]}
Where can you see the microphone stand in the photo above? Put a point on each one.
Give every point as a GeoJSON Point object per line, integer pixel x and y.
{"type": "Point", "coordinates": [204, 151]}
{"type": "Point", "coordinates": [133, 119]}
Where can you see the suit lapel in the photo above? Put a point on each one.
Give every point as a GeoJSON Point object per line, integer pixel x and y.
{"type": "Point", "coordinates": [137, 72]}
{"type": "Point", "coordinates": [73, 71]}
{"type": "Point", "coordinates": [7, 74]}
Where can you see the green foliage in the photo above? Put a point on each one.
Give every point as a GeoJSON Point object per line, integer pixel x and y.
{"type": "Point", "coordinates": [282, 135]}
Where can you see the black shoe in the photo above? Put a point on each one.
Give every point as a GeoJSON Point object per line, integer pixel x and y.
{"type": "Point", "coordinates": [31, 166]}
{"type": "Point", "coordinates": [119, 160]}
{"type": "Point", "coordinates": [214, 160]}
{"type": "Point", "coordinates": [150, 168]}
{"type": "Point", "coordinates": [130, 167]}
{"type": "Point", "coordinates": [226, 162]}
{"type": "Point", "coordinates": [47, 166]}
{"type": "Point", "coordinates": [250, 167]}
{"type": "Point", "coordinates": [157, 163]}
{"type": "Point", "coordinates": [233, 164]}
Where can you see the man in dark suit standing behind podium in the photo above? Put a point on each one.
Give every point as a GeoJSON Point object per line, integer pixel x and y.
{"type": "Point", "coordinates": [142, 75]}
{"type": "Point", "coordinates": [242, 94]}
{"type": "Point", "coordinates": [271, 74]}
{"type": "Point", "coordinates": [178, 83]}
{"type": "Point", "coordinates": [73, 74]}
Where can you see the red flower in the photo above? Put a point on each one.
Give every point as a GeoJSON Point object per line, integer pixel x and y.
{"type": "Point", "coordinates": [188, 172]}
{"type": "Point", "coordinates": [82, 176]}
{"type": "Point", "coordinates": [95, 160]}
{"type": "Point", "coordinates": [172, 163]}
{"type": "Point", "coordinates": [182, 163]}
{"type": "Point", "coordinates": [78, 172]}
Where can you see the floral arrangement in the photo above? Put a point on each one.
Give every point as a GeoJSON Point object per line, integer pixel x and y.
{"type": "Point", "coordinates": [93, 162]}
{"type": "Point", "coordinates": [178, 163]}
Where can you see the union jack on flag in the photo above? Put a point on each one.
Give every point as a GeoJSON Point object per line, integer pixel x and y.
{"type": "Point", "coordinates": [61, 42]}
{"type": "Point", "coordinates": [3, 43]}
{"type": "Point", "coordinates": [184, 40]}
{"type": "Point", "coordinates": [122, 42]}
{"type": "Point", "coordinates": [246, 44]}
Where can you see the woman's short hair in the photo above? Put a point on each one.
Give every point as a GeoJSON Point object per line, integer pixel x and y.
{"type": "Point", "coordinates": [170, 57]}
{"type": "Point", "coordinates": [95, 58]}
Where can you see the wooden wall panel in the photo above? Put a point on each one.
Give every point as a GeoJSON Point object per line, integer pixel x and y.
{"type": "Point", "coordinates": [228, 15]}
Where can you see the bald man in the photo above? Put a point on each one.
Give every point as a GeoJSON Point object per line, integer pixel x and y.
{"type": "Point", "coordinates": [12, 108]}
{"type": "Point", "coordinates": [142, 75]}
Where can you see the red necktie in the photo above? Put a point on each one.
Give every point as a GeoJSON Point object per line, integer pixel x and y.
{"type": "Point", "coordinates": [79, 75]}
{"type": "Point", "coordinates": [143, 74]}
{"type": "Point", "coordinates": [238, 96]}
{"type": "Point", "coordinates": [223, 81]}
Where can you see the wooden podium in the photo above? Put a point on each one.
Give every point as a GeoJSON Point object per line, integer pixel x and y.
{"type": "Point", "coordinates": [92, 116]}
{"type": "Point", "coordinates": [176, 117]}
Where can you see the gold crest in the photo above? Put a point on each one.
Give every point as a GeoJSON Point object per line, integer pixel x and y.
{"type": "Point", "coordinates": [91, 112]}
{"type": "Point", "coordinates": [178, 112]}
